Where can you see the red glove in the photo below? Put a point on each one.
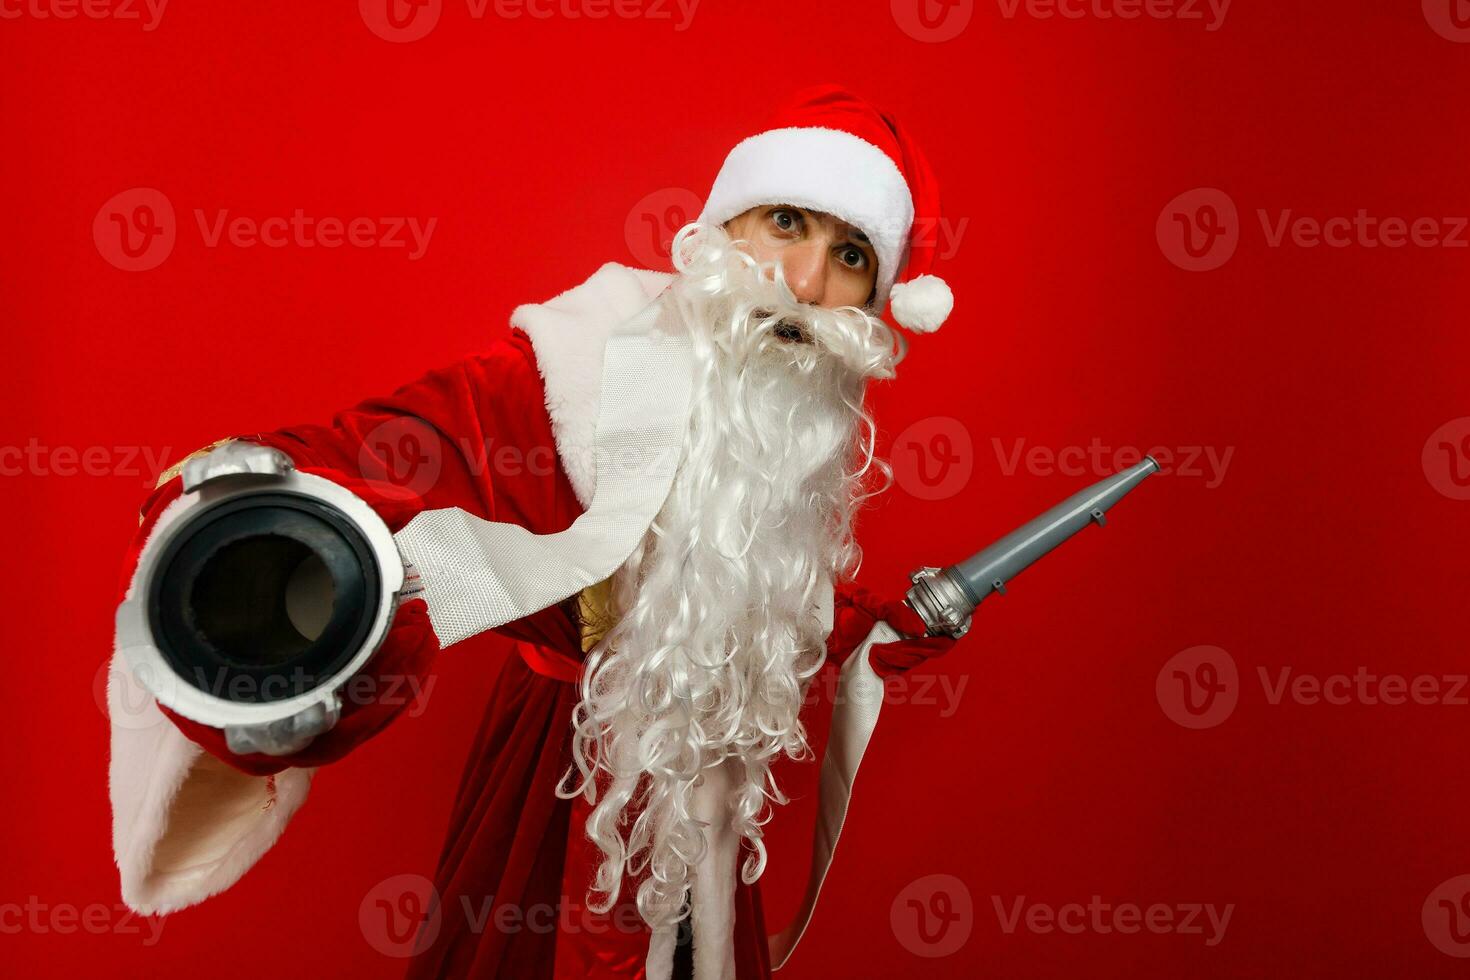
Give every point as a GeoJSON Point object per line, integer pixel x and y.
{"type": "Point", "coordinates": [854, 619]}
{"type": "Point", "coordinates": [377, 694]}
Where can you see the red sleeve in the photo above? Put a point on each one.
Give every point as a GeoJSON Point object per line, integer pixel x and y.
{"type": "Point", "coordinates": [475, 435]}
{"type": "Point", "coordinates": [855, 611]}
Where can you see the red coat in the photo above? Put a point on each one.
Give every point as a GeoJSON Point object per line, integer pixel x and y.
{"type": "Point", "coordinates": [484, 429]}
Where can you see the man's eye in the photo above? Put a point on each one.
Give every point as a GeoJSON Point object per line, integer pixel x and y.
{"type": "Point", "coordinates": [785, 220]}
{"type": "Point", "coordinates": [854, 258]}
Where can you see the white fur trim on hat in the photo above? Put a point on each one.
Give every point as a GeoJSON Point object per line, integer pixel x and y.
{"type": "Point", "coordinates": [825, 170]}
{"type": "Point", "coordinates": [923, 303]}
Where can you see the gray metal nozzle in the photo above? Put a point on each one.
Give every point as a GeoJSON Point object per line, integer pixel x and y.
{"type": "Point", "coordinates": [945, 598]}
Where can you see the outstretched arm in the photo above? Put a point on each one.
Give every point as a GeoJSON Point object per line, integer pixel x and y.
{"type": "Point", "coordinates": [189, 817]}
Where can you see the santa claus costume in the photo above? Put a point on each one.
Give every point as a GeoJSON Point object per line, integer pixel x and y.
{"type": "Point", "coordinates": [559, 775]}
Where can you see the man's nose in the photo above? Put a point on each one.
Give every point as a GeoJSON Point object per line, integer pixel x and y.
{"type": "Point", "coordinates": [806, 271]}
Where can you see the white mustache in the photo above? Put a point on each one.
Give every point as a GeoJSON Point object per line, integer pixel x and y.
{"type": "Point", "coordinates": [761, 314]}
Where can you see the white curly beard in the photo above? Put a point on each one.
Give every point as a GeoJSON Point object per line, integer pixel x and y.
{"type": "Point", "coordinates": [717, 628]}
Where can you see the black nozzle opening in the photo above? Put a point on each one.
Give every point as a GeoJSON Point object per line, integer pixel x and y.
{"type": "Point", "coordinates": [264, 597]}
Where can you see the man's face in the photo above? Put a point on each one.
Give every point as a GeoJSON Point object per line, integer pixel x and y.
{"type": "Point", "coordinates": [826, 261]}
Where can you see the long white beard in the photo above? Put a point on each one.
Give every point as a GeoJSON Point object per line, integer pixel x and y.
{"type": "Point", "coordinates": [717, 626]}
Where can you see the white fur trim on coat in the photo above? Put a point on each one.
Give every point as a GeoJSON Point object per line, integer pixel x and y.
{"type": "Point", "coordinates": [569, 335]}
{"type": "Point", "coordinates": [184, 825]}
{"type": "Point", "coordinates": [825, 170]}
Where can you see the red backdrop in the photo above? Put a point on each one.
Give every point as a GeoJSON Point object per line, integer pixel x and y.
{"type": "Point", "coordinates": [1309, 385]}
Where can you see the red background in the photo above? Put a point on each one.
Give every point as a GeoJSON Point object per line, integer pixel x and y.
{"type": "Point", "coordinates": [1056, 775]}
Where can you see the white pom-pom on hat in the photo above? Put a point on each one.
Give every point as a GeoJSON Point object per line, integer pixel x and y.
{"type": "Point", "coordinates": [922, 304]}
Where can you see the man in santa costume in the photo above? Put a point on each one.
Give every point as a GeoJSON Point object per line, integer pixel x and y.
{"type": "Point", "coordinates": [677, 599]}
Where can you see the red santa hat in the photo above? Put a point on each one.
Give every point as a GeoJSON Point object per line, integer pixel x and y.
{"type": "Point", "coordinates": [828, 150]}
